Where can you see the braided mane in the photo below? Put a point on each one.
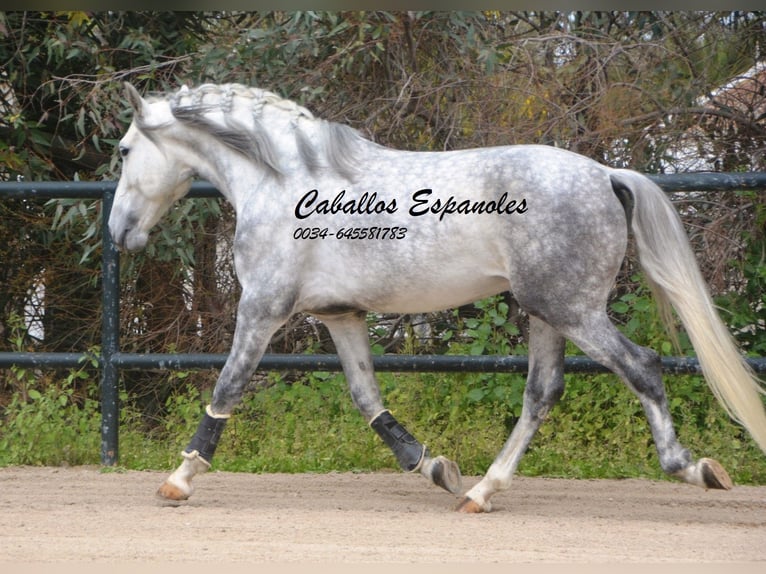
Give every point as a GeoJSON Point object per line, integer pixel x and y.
{"type": "Point", "coordinates": [335, 148]}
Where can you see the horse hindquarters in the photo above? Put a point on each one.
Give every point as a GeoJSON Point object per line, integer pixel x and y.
{"type": "Point", "coordinates": [573, 306]}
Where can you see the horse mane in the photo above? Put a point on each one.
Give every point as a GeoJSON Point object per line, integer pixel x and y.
{"type": "Point", "coordinates": [336, 146]}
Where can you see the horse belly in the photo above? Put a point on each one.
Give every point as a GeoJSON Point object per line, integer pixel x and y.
{"type": "Point", "coordinates": [404, 280]}
{"type": "Point", "coordinates": [439, 294]}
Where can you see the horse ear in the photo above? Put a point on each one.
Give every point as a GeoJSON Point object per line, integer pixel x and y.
{"type": "Point", "coordinates": [134, 98]}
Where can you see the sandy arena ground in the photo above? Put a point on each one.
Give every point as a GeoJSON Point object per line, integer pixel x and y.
{"type": "Point", "coordinates": [86, 515]}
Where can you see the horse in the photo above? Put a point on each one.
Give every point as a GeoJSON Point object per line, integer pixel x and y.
{"type": "Point", "coordinates": [332, 224]}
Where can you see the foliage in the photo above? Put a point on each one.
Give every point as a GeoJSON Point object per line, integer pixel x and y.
{"type": "Point", "coordinates": [490, 332]}
{"type": "Point", "coordinates": [53, 425]}
{"type": "Point", "coordinates": [597, 431]}
{"type": "Point", "coordinates": [622, 87]}
{"type": "Point", "coordinates": [745, 307]}
{"type": "Point", "coordinates": [636, 315]}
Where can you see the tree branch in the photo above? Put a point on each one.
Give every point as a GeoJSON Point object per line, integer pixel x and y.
{"type": "Point", "coordinates": [701, 111]}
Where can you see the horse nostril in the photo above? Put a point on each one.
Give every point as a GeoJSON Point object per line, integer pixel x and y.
{"type": "Point", "coordinates": [120, 240]}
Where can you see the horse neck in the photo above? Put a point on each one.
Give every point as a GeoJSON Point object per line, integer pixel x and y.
{"type": "Point", "coordinates": [234, 175]}
{"type": "Point", "coordinates": [238, 177]}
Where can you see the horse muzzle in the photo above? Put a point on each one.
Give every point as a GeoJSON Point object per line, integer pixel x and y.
{"type": "Point", "coordinates": [126, 235]}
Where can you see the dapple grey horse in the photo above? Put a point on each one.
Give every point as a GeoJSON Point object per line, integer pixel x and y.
{"type": "Point", "coordinates": [332, 224]}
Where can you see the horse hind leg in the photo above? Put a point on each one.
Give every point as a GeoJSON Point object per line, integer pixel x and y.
{"type": "Point", "coordinates": [349, 333]}
{"type": "Point", "coordinates": [545, 385]}
{"type": "Point", "coordinates": [640, 368]}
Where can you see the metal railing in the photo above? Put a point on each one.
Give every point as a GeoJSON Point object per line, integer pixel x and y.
{"type": "Point", "coordinates": [111, 360]}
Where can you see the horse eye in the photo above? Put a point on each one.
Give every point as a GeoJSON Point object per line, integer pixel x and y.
{"type": "Point", "coordinates": [124, 150]}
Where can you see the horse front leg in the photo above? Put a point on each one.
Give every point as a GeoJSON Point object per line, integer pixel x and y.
{"type": "Point", "coordinates": [349, 333]}
{"type": "Point", "coordinates": [252, 334]}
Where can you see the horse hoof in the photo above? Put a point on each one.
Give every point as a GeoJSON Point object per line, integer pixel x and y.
{"type": "Point", "coordinates": [446, 473]}
{"type": "Point", "coordinates": [714, 475]}
{"type": "Point", "coordinates": [170, 491]}
{"type": "Point", "coordinates": [469, 506]}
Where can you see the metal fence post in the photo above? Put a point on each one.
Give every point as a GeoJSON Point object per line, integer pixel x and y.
{"type": "Point", "coordinates": [110, 339]}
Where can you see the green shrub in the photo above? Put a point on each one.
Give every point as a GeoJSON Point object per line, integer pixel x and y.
{"type": "Point", "coordinates": [51, 426]}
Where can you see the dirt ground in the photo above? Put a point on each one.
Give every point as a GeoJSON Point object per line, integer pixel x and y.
{"type": "Point", "coordinates": [85, 515]}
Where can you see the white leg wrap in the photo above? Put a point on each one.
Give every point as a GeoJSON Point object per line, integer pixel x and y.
{"type": "Point", "coordinates": [209, 411]}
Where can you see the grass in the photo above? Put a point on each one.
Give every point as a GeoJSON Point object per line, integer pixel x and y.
{"type": "Point", "coordinates": [598, 430]}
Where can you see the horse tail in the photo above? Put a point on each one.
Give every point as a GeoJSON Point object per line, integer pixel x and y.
{"type": "Point", "coordinates": [667, 259]}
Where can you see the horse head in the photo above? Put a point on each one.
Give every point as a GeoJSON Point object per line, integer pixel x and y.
{"type": "Point", "coordinates": [155, 172]}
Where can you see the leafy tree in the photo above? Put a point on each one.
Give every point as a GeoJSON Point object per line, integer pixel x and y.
{"type": "Point", "coordinates": [626, 88]}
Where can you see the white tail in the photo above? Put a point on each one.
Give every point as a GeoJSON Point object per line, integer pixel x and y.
{"type": "Point", "coordinates": [669, 262]}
